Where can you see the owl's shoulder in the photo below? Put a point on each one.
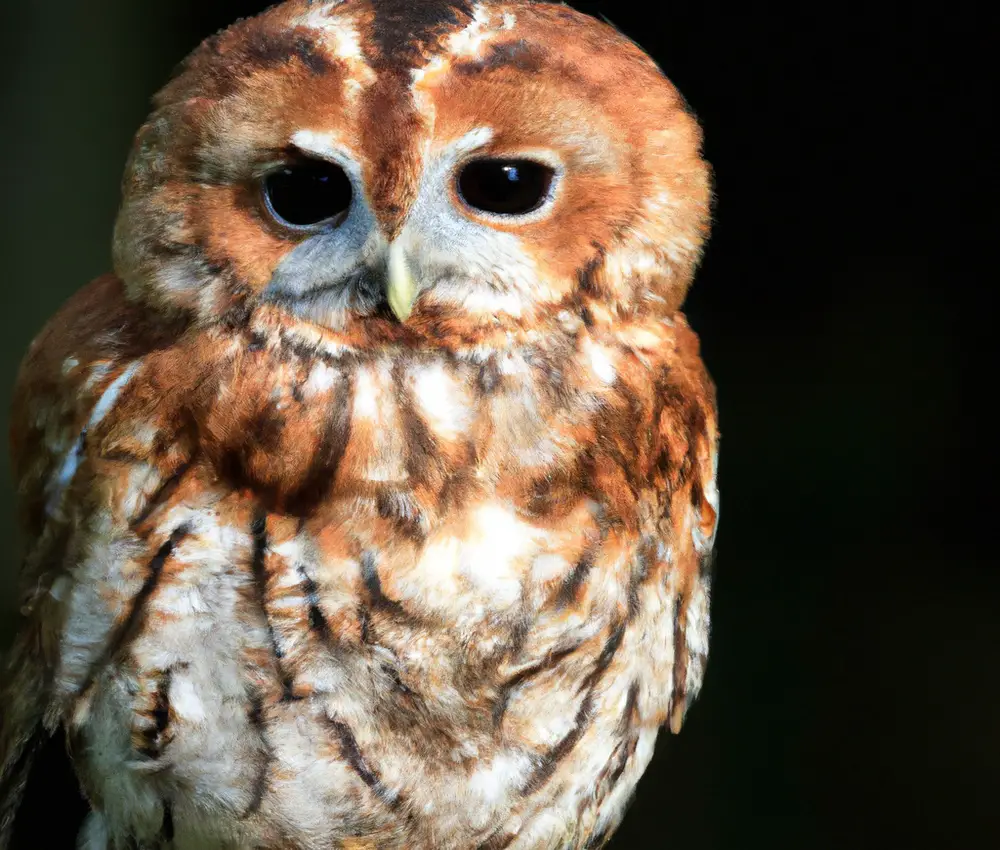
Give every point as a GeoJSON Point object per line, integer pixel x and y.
{"type": "Point", "coordinates": [657, 374]}
{"type": "Point", "coordinates": [70, 378]}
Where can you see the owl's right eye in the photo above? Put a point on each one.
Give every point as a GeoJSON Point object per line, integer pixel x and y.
{"type": "Point", "coordinates": [307, 194]}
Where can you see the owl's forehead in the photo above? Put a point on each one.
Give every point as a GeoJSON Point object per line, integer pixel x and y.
{"type": "Point", "coordinates": [316, 54]}
{"type": "Point", "coordinates": [396, 40]}
{"type": "Point", "coordinates": [395, 91]}
{"type": "Point", "coordinates": [402, 35]}
{"type": "Point", "coordinates": [394, 33]}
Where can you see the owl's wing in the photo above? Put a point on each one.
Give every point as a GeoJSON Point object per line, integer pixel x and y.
{"type": "Point", "coordinates": [691, 626]}
{"type": "Point", "coordinates": [70, 377]}
{"type": "Point", "coordinates": [21, 733]}
{"type": "Point", "coordinates": [28, 748]}
{"type": "Point", "coordinates": [685, 471]}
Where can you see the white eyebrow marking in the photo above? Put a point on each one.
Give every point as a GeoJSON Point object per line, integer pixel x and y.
{"type": "Point", "coordinates": [324, 145]}
{"type": "Point", "coordinates": [473, 139]}
{"type": "Point", "coordinates": [341, 38]}
{"type": "Point", "coordinates": [346, 41]}
{"type": "Point", "coordinates": [468, 41]}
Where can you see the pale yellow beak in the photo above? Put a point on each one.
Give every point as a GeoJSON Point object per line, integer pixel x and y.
{"type": "Point", "coordinates": [401, 291]}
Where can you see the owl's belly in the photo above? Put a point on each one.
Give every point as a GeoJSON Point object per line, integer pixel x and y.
{"type": "Point", "coordinates": [285, 683]}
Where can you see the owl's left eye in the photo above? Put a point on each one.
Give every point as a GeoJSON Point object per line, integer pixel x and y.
{"type": "Point", "coordinates": [307, 193]}
{"type": "Point", "coordinates": [507, 187]}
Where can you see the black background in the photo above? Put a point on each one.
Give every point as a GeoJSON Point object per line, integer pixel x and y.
{"type": "Point", "coordinates": [851, 695]}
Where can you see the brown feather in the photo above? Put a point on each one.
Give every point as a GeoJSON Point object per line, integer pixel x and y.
{"type": "Point", "coordinates": [309, 576]}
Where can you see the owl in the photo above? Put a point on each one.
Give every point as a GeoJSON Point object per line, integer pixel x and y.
{"type": "Point", "coordinates": [370, 501]}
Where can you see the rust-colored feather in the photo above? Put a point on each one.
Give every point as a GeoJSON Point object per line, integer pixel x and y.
{"type": "Point", "coordinates": [304, 575]}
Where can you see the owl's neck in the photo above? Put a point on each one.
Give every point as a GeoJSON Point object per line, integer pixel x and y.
{"type": "Point", "coordinates": [295, 413]}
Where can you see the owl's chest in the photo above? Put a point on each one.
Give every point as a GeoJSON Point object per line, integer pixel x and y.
{"type": "Point", "coordinates": [418, 442]}
{"type": "Point", "coordinates": [377, 587]}
{"type": "Point", "coordinates": [415, 432]}
{"type": "Point", "coordinates": [297, 684]}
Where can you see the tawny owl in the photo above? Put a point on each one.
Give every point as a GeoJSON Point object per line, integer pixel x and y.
{"type": "Point", "coordinates": [370, 500]}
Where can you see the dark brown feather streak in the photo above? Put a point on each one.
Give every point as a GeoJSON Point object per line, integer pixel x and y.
{"type": "Point", "coordinates": [258, 531]}
{"type": "Point", "coordinates": [129, 628]}
{"type": "Point", "coordinates": [547, 765]}
{"type": "Point", "coordinates": [352, 755]}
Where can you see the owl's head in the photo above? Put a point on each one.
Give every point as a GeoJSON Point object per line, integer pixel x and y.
{"type": "Point", "coordinates": [425, 169]}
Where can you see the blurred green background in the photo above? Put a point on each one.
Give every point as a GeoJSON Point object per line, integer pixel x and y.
{"type": "Point", "coordinates": [851, 694]}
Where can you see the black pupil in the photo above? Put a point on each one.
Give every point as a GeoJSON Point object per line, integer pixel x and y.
{"type": "Point", "coordinates": [505, 186]}
{"type": "Point", "coordinates": [308, 193]}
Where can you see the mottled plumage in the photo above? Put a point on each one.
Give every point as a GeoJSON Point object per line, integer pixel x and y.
{"type": "Point", "coordinates": [308, 570]}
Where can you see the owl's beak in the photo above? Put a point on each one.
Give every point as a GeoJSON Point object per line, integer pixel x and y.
{"type": "Point", "coordinates": [401, 291]}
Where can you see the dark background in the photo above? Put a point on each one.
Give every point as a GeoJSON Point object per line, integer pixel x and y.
{"type": "Point", "coordinates": [851, 696]}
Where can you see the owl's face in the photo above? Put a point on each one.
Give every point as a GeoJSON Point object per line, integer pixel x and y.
{"type": "Point", "coordinates": [421, 170]}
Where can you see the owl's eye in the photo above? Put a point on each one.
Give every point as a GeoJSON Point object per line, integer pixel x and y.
{"type": "Point", "coordinates": [505, 186]}
{"type": "Point", "coordinates": [305, 194]}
